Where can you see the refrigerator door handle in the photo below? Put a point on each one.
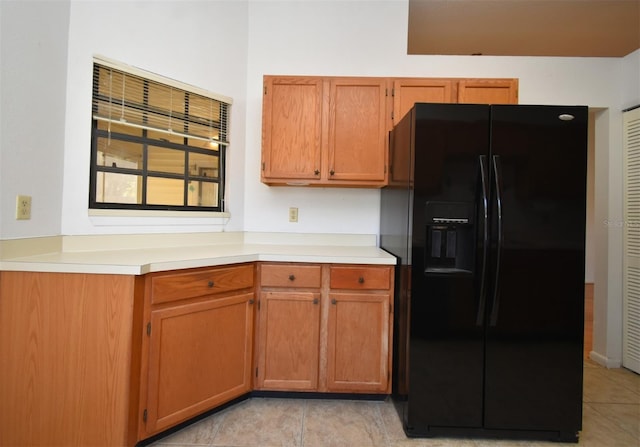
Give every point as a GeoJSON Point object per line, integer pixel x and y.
{"type": "Point", "coordinates": [484, 179]}
{"type": "Point", "coordinates": [497, 170]}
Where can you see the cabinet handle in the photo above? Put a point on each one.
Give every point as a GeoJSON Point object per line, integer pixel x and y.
{"type": "Point", "coordinates": [315, 301]}
{"type": "Point", "coordinates": [332, 172]}
{"type": "Point", "coordinates": [292, 277]}
{"type": "Point", "coordinates": [210, 284]}
{"type": "Point", "coordinates": [334, 301]}
{"type": "Point", "coordinates": [361, 280]}
{"type": "Point", "coordinates": [316, 172]}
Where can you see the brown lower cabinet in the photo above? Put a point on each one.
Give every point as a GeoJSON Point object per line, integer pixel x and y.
{"type": "Point", "coordinates": [288, 335]}
{"type": "Point", "coordinates": [70, 359]}
{"type": "Point", "coordinates": [359, 329]}
{"type": "Point", "coordinates": [110, 360]}
{"type": "Point", "coordinates": [324, 328]}
{"type": "Point", "coordinates": [199, 357]}
{"type": "Point", "coordinates": [199, 343]}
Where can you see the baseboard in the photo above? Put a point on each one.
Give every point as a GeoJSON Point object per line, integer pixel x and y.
{"type": "Point", "coordinates": [604, 360]}
{"type": "Point", "coordinates": [317, 395]}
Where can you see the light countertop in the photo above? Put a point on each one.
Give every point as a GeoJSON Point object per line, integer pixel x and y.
{"type": "Point", "coordinates": [138, 254]}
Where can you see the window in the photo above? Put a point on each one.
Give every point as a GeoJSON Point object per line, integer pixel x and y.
{"type": "Point", "coordinates": [156, 144]}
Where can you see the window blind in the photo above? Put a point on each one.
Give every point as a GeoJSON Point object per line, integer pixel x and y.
{"type": "Point", "coordinates": [132, 97]}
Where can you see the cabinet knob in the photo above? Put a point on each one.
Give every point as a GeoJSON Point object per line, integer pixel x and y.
{"type": "Point", "coordinates": [334, 301]}
{"type": "Point", "coordinates": [210, 284]}
{"type": "Point", "coordinates": [251, 301]}
{"type": "Point", "coordinates": [316, 172]}
{"type": "Point", "coordinates": [332, 172]}
{"type": "Point", "coordinates": [361, 280]}
{"type": "Point", "coordinates": [315, 301]}
{"type": "Point", "coordinates": [292, 277]}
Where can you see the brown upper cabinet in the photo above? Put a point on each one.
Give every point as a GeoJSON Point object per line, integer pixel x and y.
{"type": "Point", "coordinates": [327, 131]}
{"type": "Point", "coordinates": [488, 91]}
{"type": "Point", "coordinates": [292, 129]}
{"type": "Point", "coordinates": [406, 92]}
{"type": "Point", "coordinates": [333, 131]}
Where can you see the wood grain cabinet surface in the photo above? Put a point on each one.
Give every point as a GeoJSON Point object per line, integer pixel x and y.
{"type": "Point", "coordinates": [488, 91]}
{"type": "Point", "coordinates": [358, 123]}
{"type": "Point", "coordinates": [110, 360]}
{"type": "Point", "coordinates": [198, 349]}
{"type": "Point", "coordinates": [408, 91]}
{"type": "Point", "coordinates": [331, 334]}
{"type": "Point", "coordinates": [288, 327]}
{"type": "Point", "coordinates": [324, 131]}
{"type": "Point", "coordinates": [70, 351]}
{"type": "Point", "coordinates": [333, 131]}
{"type": "Point", "coordinates": [292, 129]}
{"type": "Point", "coordinates": [358, 329]}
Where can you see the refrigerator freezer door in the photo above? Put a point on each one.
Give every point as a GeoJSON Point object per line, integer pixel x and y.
{"type": "Point", "coordinates": [446, 352]}
{"type": "Point", "coordinates": [533, 374]}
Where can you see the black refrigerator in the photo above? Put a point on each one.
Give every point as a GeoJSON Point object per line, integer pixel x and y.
{"type": "Point", "coordinates": [485, 212]}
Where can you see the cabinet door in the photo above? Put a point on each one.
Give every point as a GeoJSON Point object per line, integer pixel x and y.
{"type": "Point", "coordinates": [358, 342]}
{"type": "Point", "coordinates": [358, 130]}
{"type": "Point", "coordinates": [289, 335]}
{"type": "Point", "coordinates": [291, 128]}
{"type": "Point", "coordinates": [200, 357]}
{"type": "Point", "coordinates": [488, 91]}
{"type": "Point", "coordinates": [407, 92]}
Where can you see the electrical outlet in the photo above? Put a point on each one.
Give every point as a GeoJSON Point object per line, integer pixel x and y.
{"type": "Point", "coordinates": [293, 214]}
{"type": "Point", "coordinates": [23, 207]}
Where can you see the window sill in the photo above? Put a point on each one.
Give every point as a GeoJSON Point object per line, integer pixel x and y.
{"type": "Point", "coordinates": [109, 217]}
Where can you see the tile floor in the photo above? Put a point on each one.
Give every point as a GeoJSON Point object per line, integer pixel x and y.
{"type": "Point", "coordinates": [611, 418]}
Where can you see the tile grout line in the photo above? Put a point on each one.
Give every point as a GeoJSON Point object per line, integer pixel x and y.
{"type": "Point", "coordinates": [383, 424]}
{"type": "Point", "coordinates": [304, 415]}
{"type": "Point", "coordinates": [223, 416]}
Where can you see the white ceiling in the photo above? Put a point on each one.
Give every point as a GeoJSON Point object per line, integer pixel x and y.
{"type": "Point", "coordinates": [589, 28]}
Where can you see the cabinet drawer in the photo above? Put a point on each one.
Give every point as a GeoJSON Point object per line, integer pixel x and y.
{"type": "Point", "coordinates": [180, 286]}
{"type": "Point", "coordinates": [361, 278]}
{"type": "Point", "coordinates": [290, 275]}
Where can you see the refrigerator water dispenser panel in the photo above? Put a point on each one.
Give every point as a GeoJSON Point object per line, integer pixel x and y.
{"type": "Point", "coordinates": [450, 237]}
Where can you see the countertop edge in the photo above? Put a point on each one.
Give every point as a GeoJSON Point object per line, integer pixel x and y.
{"type": "Point", "coordinates": [129, 262]}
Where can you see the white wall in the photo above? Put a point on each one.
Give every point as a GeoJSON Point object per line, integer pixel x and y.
{"type": "Point", "coordinates": [203, 43]}
{"type": "Point", "coordinates": [33, 70]}
{"type": "Point", "coordinates": [590, 255]}
{"type": "Point", "coordinates": [630, 87]}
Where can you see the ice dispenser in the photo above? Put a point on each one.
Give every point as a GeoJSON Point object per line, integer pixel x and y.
{"type": "Point", "coordinates": [450, 237]}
